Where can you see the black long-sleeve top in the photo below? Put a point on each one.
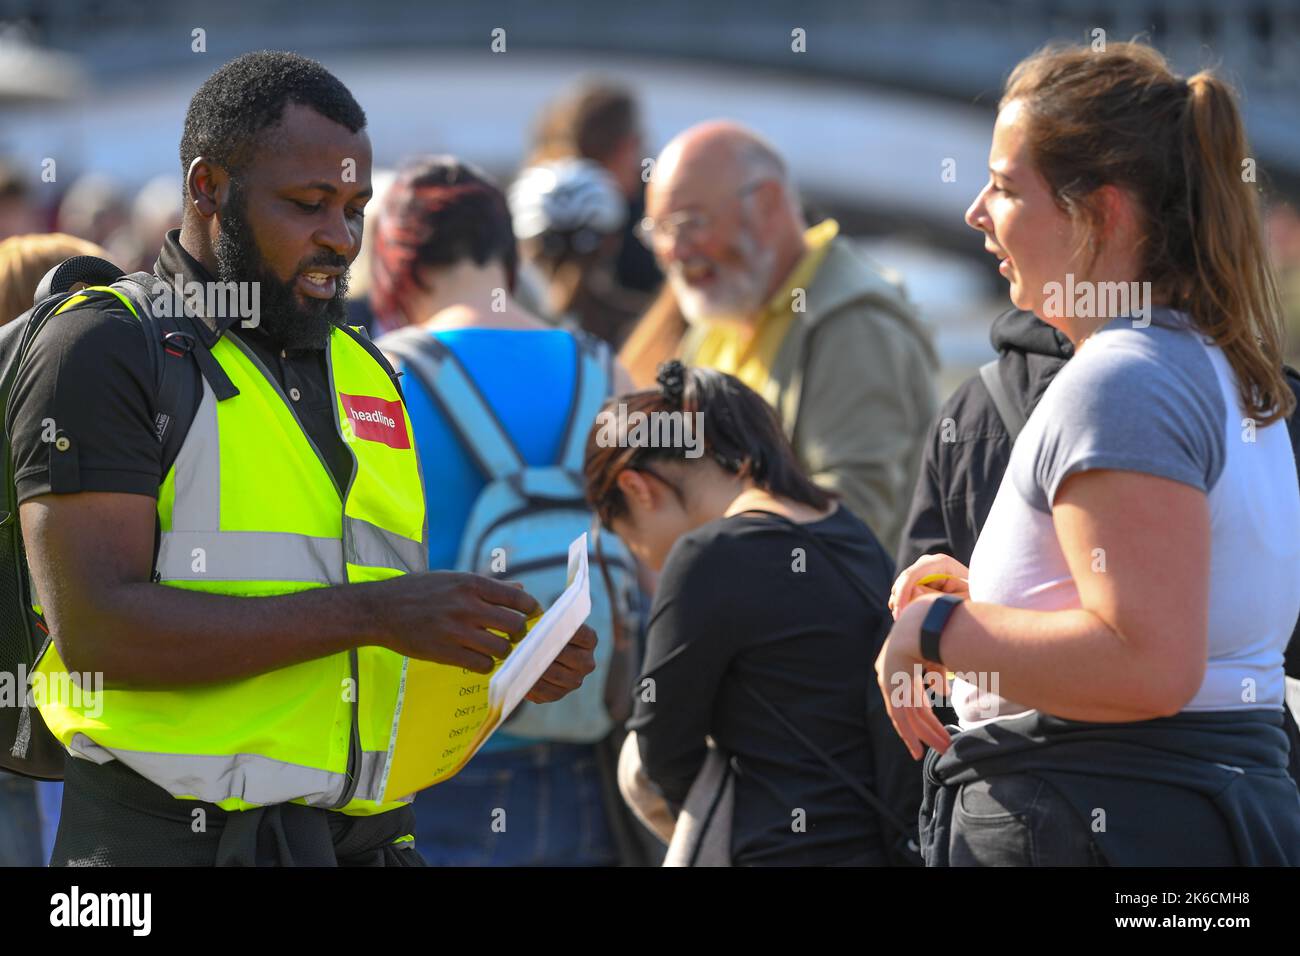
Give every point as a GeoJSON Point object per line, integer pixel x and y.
{"type": "Point", "coordinates": [747, 598]}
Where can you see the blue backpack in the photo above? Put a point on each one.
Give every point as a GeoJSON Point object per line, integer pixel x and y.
{"type": "Point", "coordinates": [522, 522]}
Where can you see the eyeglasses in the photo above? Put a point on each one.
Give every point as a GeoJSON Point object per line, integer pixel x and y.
{"type": "Point", "coordinates": [652, 231]}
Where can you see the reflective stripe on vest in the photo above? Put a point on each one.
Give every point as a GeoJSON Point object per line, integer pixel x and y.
{"type": "Point", "coordinates": [240, 555]}
{"type": "Point", "coordinates": [251, 509]}
{"type": "Point", "coordinates": [259, 780]}
{"type": "Point", "coordinates": [82, 297]}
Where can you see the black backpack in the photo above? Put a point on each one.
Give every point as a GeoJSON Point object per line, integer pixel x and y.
{"type": "Point", "coordinates": [177, 357]}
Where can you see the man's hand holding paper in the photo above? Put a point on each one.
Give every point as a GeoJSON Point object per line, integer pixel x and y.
{"type": "Point", "coordinates": [576, 661]}
{"type": "Point", "coordinates": [447, 712]}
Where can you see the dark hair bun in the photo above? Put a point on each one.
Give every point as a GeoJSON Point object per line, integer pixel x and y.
{"type": "Point", "coordinates": [672, 381]}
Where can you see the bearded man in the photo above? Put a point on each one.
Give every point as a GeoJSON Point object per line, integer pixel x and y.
{"type": "Point", "coordinates": [797, 314]}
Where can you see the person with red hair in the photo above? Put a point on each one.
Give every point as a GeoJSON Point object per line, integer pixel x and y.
{"type": "Point", "coordinates": [444, 272]}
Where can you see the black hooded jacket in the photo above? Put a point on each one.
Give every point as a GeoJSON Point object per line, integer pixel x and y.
{"type": "Point", "coordinates": [968, 448]}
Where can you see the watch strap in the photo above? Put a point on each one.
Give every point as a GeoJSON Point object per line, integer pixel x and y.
{"type": "Point", "coordinates": [932, 626]}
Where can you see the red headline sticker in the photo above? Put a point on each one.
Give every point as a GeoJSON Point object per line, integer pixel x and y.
{"type": "Point", "coordinates": [374, 419]}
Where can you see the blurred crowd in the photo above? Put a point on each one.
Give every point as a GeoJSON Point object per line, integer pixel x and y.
{"type": "Point", "coordinates": [578, 201]}
{"type": "Point", "coordinates": [590, 259]}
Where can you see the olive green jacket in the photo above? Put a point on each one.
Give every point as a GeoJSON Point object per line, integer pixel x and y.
{"type": "Point", "coordinates": [853, 385]}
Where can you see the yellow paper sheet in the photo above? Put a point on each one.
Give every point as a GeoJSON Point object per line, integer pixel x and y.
{"type": "Point", "coordinates": [447, 713]}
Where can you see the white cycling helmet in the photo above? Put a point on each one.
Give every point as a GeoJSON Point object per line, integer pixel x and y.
{"type": "Point", "coordinates": [572, 198]}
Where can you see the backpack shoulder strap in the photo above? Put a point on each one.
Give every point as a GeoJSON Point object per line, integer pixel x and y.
{"type": "Point", "coordinates": [178, 330]}
{"type": "Point", "coordinates": [592, 381]}
{"type": "Point", "coordinates": [458, 397]}
{"type": "Point", "coordinates": [172, 340]}
{"type": "Point", "coordinates": [1009, 411]}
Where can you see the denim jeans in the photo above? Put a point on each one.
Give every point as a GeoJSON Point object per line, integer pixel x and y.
{"type": "Point", "coordinates": [20, 822]}
{"type": "Point", "coordinates": [49, 800]}
{"type": "Point", "coordinates": [1018, 820]}
{"type": "Point", "coordinates": [538, 805]}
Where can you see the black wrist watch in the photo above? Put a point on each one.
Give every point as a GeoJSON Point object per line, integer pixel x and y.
{"type": "Point", "coordinates": [932, 627]}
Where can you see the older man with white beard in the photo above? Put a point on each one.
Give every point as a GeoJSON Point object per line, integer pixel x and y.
{"type": "Point", "coordinates": [795, 313]}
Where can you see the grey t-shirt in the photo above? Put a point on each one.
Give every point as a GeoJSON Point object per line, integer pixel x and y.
{"type": "Point", "coordinates": [1160, 400]}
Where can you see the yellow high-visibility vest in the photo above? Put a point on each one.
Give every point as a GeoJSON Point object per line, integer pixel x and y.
{"type": "Point", "coordinates": [250, 509]}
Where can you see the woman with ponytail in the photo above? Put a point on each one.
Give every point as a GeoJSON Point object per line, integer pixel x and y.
{"type": "Point", "coordinates": [769, 609]}
{"type": "Point", "coordinates": [1118, 638]}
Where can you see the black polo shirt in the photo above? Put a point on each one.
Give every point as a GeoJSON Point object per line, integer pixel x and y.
{"type": "Point", "coordinates": [89, 373]}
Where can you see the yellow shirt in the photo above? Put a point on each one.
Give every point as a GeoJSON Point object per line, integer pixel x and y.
{"type": "Point", "coordinates": [748, 352]}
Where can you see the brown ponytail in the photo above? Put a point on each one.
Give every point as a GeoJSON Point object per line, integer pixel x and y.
{"type": "Point", "coordinates": [1234, 296]}
{"type": "Point", "coordinates": [1120, 116]}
